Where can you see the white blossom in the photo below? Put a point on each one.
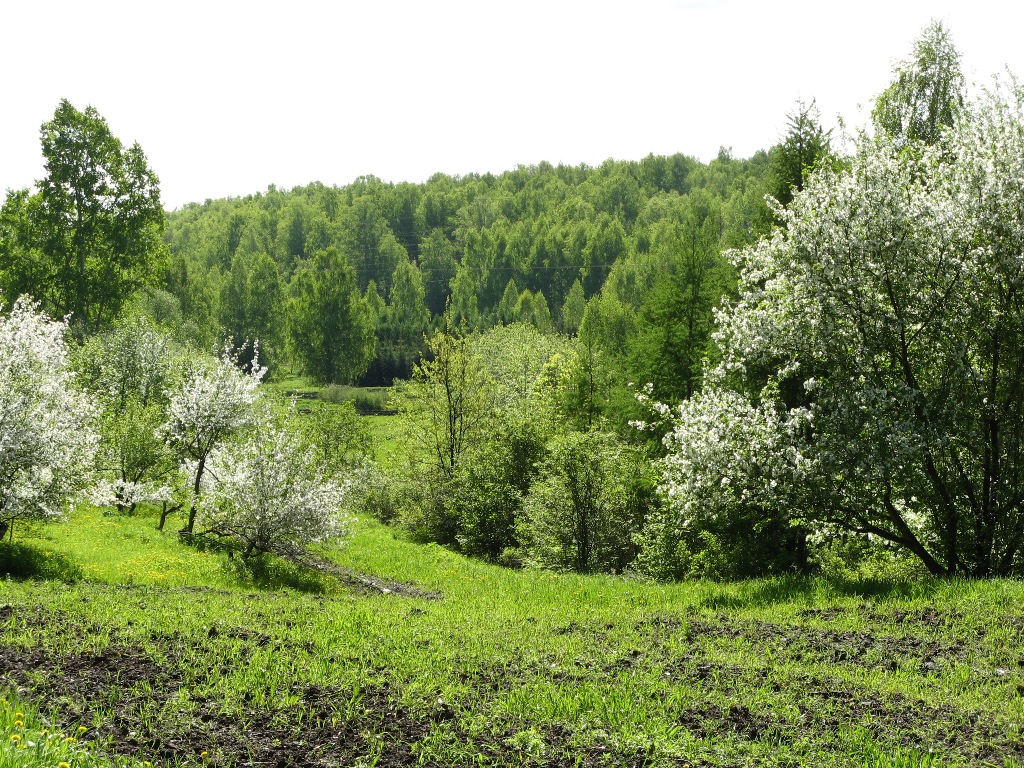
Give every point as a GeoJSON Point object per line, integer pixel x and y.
{"type": "Point", "coordinates": [889, 308]}
{"type": "Point", "coordinates": [47, 440]}
{"type": "Point", "coordinates": [269, 491]}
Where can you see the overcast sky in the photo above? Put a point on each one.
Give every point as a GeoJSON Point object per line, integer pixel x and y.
{"type": "Point", "coordinates": [226, 98]}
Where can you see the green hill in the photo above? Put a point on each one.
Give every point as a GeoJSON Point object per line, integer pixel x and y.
{"type": "Point", "coordinates": [421, 656]}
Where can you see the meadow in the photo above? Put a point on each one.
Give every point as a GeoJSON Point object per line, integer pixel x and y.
{"type": "Point", "coordinates": [131, 649]}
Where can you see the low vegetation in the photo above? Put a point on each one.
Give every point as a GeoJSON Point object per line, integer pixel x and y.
{"type": "Point", "coordinates": [181, 657]}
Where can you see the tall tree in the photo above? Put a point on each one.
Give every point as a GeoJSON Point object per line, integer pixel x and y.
{"type": "Point", "coordinates": [928, 92]}
{"type": "Point", "coordinates": [100, 218]}
{"type": "Point", "coordinates": [437, 260]}
{"type": "Point", "coordinates": [331, 325]}
{"type": "Point", "coordinates": [251, 300]}
{"type": "Point", "coordinates": [803, 146]}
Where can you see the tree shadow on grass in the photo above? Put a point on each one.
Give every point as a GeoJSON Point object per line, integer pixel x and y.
{"type": "Point", "coordinates": [23, 561]}
{"type": "Point", "coordinates": [788, 589]}
{"type": "Point", "coordinates": [268, 572]}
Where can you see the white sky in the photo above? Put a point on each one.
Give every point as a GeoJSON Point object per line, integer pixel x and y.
{"type": "Point", "coordinates": [228, 97]}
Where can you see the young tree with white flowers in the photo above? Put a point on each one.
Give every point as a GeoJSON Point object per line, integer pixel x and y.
{"type": "Point", "coordinates": [212, 403]}
{"type": "Point", "coordinates": [270, 493]}
{"type": "Point", "coordinates": [872, 371]}
{"type": "Point", "coordinates": [47, 440]}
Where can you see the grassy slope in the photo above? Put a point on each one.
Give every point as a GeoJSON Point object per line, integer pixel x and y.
{"type": "Point", "coordinates": [162, 652]}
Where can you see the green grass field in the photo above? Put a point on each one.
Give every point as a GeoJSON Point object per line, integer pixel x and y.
{"type": "Point", "coordinates": [143, 649]}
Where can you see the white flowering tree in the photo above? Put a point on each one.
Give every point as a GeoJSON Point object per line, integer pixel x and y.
{"type": "Point", "coordinates": [872, 375]}
{"type": "Point", "coordinates": [47, 440]}
{"type": "Point", "coordinates": [270, 493]}
{"type": "Point", "coordinates": [212, 403]}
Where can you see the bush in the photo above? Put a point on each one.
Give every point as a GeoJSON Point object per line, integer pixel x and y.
{"type": "Point", "coordinates": [589, 502]}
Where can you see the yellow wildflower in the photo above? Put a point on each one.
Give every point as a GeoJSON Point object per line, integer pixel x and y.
{"type": "Point", "coordinates": [15, 738]}
{"type": "Point", "coordinates": [63, 764]}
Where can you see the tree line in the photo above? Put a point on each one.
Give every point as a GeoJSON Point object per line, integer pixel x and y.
{"type": "Point", "coordinates": [807, 358]}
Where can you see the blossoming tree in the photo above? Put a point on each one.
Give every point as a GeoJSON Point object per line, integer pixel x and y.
{"type": "Point", "coordinates": [47, 440]}
{"type": "Point", "coordinates": [212, 403]}
{"type": "Point", "coordinates": [872, 370]}
{"type": "Point", "coordinates": [270, 493]}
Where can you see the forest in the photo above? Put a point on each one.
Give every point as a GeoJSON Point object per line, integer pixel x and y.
{"type": "Point", "coordinates": [807, 361]}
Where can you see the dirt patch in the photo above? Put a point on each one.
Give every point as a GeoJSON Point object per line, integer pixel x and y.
{"type": "Point", "coordinates": [134, 705]}
{"type": "Point", "coordinates": [828, 646]}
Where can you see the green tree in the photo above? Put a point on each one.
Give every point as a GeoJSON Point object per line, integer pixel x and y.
{"type": "Point", "coordinates": [573, 308]}
{"type": "Point", "coordinates": [99, 217]}
{"type": "Point", "coordinates": [928, 92]}
{"type": "Point", "coordinates": [445, 410]}
{"type": "Point", "coordinates": [463, 302]}
{"type": "Point", "coordinates": [805, 144]}
{"type": "Point", "coordinates": [251, 303]}
{"type": "Point", "coordinates": [369, 245]}
{"type": "Point", "coordinates": [129, 370]}
{"type": "Point", "coordinates": [331, 327]}
{"type": "Point", "coordinates": [402, 326]}
{"type": "Point", "coordinates": [590, 499]}
{"type": "Point", "coordinates": [675, 320]}
{"type": "Point", "coordinates": [437, 261]}
{"type": "Point", "coordinates": [509, 301]}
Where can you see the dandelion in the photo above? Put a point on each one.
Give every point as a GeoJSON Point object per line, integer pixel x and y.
{"type": "Point", "coordinates": [19, 715]}
{"type": "Point", "coordinates": [19, 723]}
{"type": "Point", "coordinates": [82, 729]}
{"type": "Point", "coordinates": [63, 764]}
{"type": "Point", "coordinates": [15, 738]}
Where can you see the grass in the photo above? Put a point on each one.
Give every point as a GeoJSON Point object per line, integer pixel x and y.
{"type": "Point", "coordinates": [29, 740]}
{"type": "Point", "coordinates": [367, 400]}
{"type": "Point", "coordinates": [164, 653]}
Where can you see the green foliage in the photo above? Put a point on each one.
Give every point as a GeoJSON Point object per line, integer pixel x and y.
{"type": "Point", "coordinates": [488, 249]}
{"type": "Point", "coordinates": [571, 316]}
{"type": "Point", "coordinates": [337, 433]}
{"type": "Point", "coordinates": [438, 263]}
{"type": "Point", "coordinates": [330, 325]}
{"type": "Point", "coordinates": [487, 492]}
{"type": "Point", "coordinates": [805, 145]}
{"type": "Point", "coordinates": [251, 306]}
{"type": "Point", "coordinates": [401, 326]}
{"type": "Point", "coordinates": [927, 95]}
{"type": "Point", "coordinates": [445, 404]}
{"type": "Point", "coordinates": [675, 320]}
{"type": "Point", "coordinates": [591, 497]}
{"type": "Point", "coordinates": [91, 235]}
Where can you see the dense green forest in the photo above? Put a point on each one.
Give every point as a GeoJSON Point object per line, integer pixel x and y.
{"type": "Point", "coordinates": [532, 245]}
{"type": "Point", "coordinates": [804, 360]}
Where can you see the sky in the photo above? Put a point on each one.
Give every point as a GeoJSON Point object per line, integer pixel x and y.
{"type": "Point", "coordinates": [227, 98]}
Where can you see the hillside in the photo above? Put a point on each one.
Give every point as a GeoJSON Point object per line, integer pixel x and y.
{"type": "Point", "coordinates": [178, 658]}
